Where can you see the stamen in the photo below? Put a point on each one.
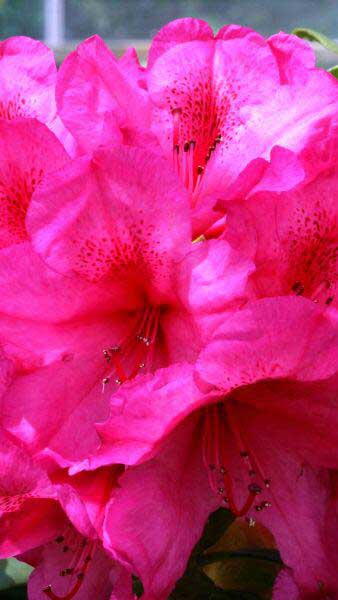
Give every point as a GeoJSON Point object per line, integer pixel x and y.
{"type": "Point", "coordinates": [218, 417]}
{"type": "Point", "coordinates": [80, 575]}
{"type": "Point", "coordinates": [190, 156]}
{"type": "Point", "coordinates": [138, 346]}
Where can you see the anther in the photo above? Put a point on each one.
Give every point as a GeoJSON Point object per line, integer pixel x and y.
{"type": "Point", "coordinates": [267, 482]}
{"type": "Point", "coordinates": [244, 454]}
{"type": "Point", "coordinates": [118, 381]}
{"type": "Point", "coordinates": [258, 507]}
{"type": "Point", "coordinates": [105, 381]}
{"type": "Point", "coordinates": [60, 539]}
{"type": "Point", "coordinates": [254, 488]}
{"type": "Point", "coordinates": [250, 521]}
{"type": "Point", "coordinates": [106, 355]}
{"type": "Point", "coordinates": [329, 300]}
{"type": "Point", "coordinates": [200, 170]}
{"type": "Point", "coordinates": [186, 146]}
{"type": "Point", "coordinates": [266, 504]}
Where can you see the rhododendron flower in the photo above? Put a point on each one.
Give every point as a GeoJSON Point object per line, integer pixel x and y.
{"type": "Point", "coordinates": [29, 513]}
{"type": "Point", "coordinates": [28, 78]}
{"type": "Point", "coordinates": [238, 430]}
{"type": "Point", "coordinates": [102, 99]}
{"type": "Point", "coordinates": [74, 564]}
{"type": "Point", "coordinates": [71, 566]}
{"type": "Point", "coordinates": [238, 97]}
{"type": "Point", "coordinates": [28, 150]}
{"type": "Point", "coordinates": [292, 236]}
{"type": "Point", "coordinates": [322, 536]}
{"type": "Point", "coordinates": [120, 224]}
{"type": "Point", "coordinates": [34, 528]}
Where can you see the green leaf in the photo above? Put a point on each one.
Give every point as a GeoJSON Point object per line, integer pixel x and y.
{"type": "Point", "coordinates": [13, 573]}
{"type": "Point", "coordinates": [315, 36]}
{"type": "Point", "coordinates": [268, 554]}
{"type": "Point", "coordinates": [334, 71]}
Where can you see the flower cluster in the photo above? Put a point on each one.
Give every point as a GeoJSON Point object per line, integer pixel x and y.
{"type": "Point", "coordinates": [168, 308]}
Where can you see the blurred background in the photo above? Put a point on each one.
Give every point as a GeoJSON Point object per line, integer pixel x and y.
{"type": "Point", "coordinates": [62, 23]}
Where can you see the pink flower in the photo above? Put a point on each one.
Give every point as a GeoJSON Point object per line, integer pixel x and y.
{"type": "Point", "coordinates": [243, 437]}
{"type": "Point", "coordinates": [321, 534]}
{"type": "Point", "coordinates": [72, 566]}
{"type": "Point", "coordinates": [28, 150]}
{"type": "Point", "coordinates": [211, 116]}
{"type": "Point", "coordinates": [29, 512]}
{"type": "Point", "coordinates": [28, 78]}
{"type": "Point", "coordinates": [117, 229]}
{"type": "Point", "coordinates": [34, 528]}
{"type": "Point", "coordinates": [292, 236]}
{"type": "Point", "coordinates": [102, 99]}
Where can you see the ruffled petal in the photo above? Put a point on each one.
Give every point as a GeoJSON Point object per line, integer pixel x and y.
{"type": "Point", "coordinates": [28, 78]}
{"type": "Point", "coordinates": [158, 515]}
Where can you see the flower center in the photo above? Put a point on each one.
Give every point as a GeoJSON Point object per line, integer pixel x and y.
{"type": "Point", "coordinates": [193, 148]}
{"type": "Point", "coordinates": [136, 351]}
{"type": "Point", "coordinates": [219, 424]}
{"type": "Point", "coordinates": [81, 554]}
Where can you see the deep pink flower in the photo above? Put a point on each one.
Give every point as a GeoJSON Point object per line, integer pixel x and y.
{"type": "Point", "coordinates": [239, 97]}
{"type": "Point", "coordinates": [28, 78]}
{"type": "Point", "coordinates": [292, 236]}
{"type": "Point", "coordinates": [72, 566]}
{"type": "Point", "coordinates": [102, 99]}
{"type": "Point", "coordinates": [321, 534]}
{"type": "Point", "coordinates": [35, 529]}
{"type": "Point", "coordinates": [116, 226]}
{"type": "Point", "coordinates": [265, 407]}
{"type": "Point", "coordinates": [29, 512]}
{"type": "Point", "coordinates": [28, 150]}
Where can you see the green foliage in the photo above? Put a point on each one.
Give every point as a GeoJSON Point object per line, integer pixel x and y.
{"type": "Point", "coordinates": [314, 36]}
{"type": "Point", "coordinates": [21, 17]}
{"type": "Point", "coordinates": [220, 569]}
{"type": "Point", "coordinates": [13, 573]}
{"type": "Point", "coordinates": [334, 71]}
